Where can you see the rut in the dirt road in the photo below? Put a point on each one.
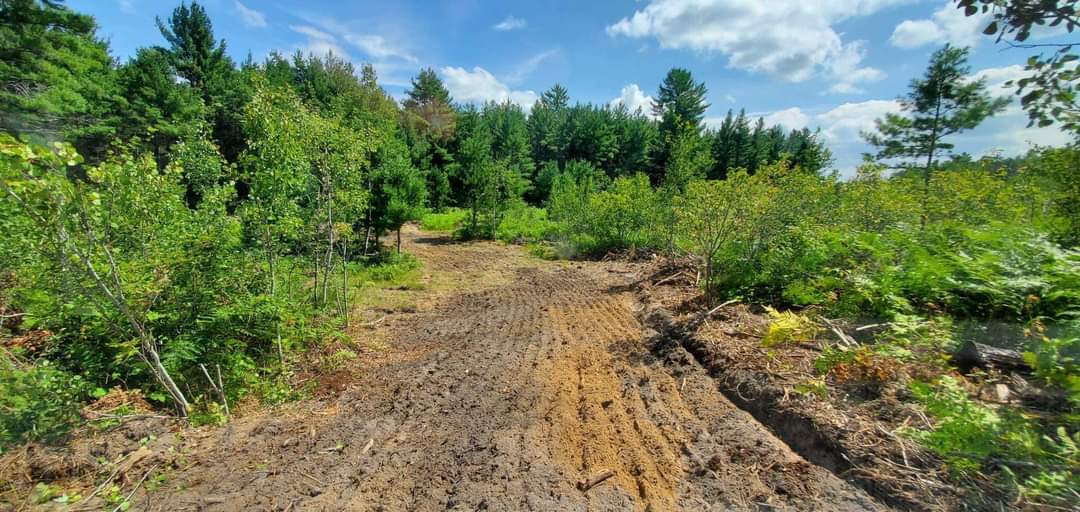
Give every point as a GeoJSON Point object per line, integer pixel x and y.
{"type": "Point", "coordinates": [502, 400]}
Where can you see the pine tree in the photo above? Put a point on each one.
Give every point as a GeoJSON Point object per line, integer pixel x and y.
{"type": "Point", "coordinates": [427, 88]}
{"type": "Point", "coordinates": [547, 127]}
{"type": "Point", "coordinates": [941, 103]}
{"type": "Point", "coordinates": [196, 54]}
{"type": "Point", "coordinates": [56, 75]}
{"type": "Point", "coordinates": [155, 107]}
{"type": "Point", "coordinates": [679, 103]}
{"type": "Point", "coordinates": [680, 100]}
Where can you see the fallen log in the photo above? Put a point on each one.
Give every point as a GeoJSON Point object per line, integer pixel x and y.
{"type": "Point", "coordinates": [973, 355]}
{"type": "Point", "coordinates": [589, 483]}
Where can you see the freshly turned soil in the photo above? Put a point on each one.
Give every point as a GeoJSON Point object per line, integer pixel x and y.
{"type": "Point", "coordinates": [505, 396]}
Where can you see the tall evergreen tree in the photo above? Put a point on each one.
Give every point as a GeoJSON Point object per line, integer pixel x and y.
{"type": "Point", "coordinates": [56, 77]}
{"type": "Point", "coordinates": [154, 106]}
{"type": "Point", "coordinates": [427, 87]}
{"type": "Point", "coordinates": [679, 103]}
{"type": "Point", "coordinates": [941, 103]}
{"type": "Point", "coordinates": [510, 141]}
{"type": "Point", "coordinates": [547, 126]}
{"type": "Point", "coordinates": [196, 54]}
{"type": "Point", "coordinates": [430, 126]}
{"type": "Point", "coordinates": [679, 100]}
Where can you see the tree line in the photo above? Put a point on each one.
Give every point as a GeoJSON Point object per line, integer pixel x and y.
{"type": "Point", "coordinates": [205, 212]}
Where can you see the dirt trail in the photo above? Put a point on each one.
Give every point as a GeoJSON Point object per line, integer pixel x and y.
{"type": "Point", "coordinates": [502, 398]}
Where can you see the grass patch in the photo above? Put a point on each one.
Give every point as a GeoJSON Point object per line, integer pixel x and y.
{"type": "Point", "coordinates": [388, 284]}
{"type": "Point", "coordinates": [443, 222]}
{"type": "Point", "coordinates": [525, 223]}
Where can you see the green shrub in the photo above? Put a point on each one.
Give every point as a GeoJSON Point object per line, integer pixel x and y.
{"type": "Point", "coordinates": [592, 221]}
{"type": "Point", "coordinates": [1038, 463]}
{"type": "Point", "coordinates": [38, 401]}
{"type": "Point", "coordinates": [1057, 362]}
{"type": "Point", "coordinates": [444, 222]}
{"type": "Point", "coordinates": [525, 223]}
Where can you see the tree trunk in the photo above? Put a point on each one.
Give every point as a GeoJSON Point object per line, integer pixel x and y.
{"type": "Point", "coordinates": [273, 294]}
{"type": "Point", "coordinates": [315, 290]}
{"type": "Point", "coordinates": [930, 161]}
{"type": "Point", "coordinates": [150, 355]}
{"type": "Point", "coordinates": [329, 246]}
{"type": "Point", "coordinates": [399, 240]}
{"type": "Point", "coordinates": [345, 281]}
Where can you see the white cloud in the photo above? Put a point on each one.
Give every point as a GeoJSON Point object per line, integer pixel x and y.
{"type": "Point", "coordinates": [729, 98]}
{"type": "Point", "coordinates": [528, 66]}
{"type": "Point", "coordinates": [510, 23]}
{"type": "Point", "coordinates": [392, 63]}
{"type": "Point", "coordinates": [479, 86]}
{"type": "Point", "coordinates": [845, 122]}
{"type": "Point", "coordinates": [634, 98]}
{"type": "Point", "coordinates": [126, 6]}
{"type": "Point", "coordinates": [250, 17]}
{"type": "Point", "coordinates": [791, 118]}
{"type": "Point", "coordinates": [319, 43]}
{"type": "Point", "coordinates": [311, 32]}
{"type": "Point", "coordinates": [947, 25]}
{"type": "Point", "coordinates": [1008, 131]}
{"type": "Point", "coordinates": [840, 126]}
{"type": "Point", "coordinates": [789, 39]}
{"type": "Point", "coordinates": [996, 78]}
{"type": "Point", "coordinates": [377, 46]}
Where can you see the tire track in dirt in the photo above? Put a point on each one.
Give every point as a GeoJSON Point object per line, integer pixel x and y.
{"type": "Point", "coordinates": [510, 395]}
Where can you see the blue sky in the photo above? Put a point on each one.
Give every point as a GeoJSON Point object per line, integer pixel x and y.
{"type": "Point", "coordinates": [829, 64]}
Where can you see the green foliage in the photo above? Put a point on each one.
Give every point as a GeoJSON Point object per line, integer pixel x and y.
{"type": "Point", "coordinates": [447, 221]}
{"type": "Point", "coordinates": [57, 74]}
{"type": "Point", "coordinates": [1057, 362]}
{"type": "Point", "coordinates": [707, 216]}
{"type": "Point", "coordinates": [1054, 172]}
{"type": "Point", "coordinates": [942, 103]}
{"type": "Point", "coordinates": [1048, 94]}
{"type": "Point", "coordinates": [37, 401]}
{"type": "Point", "coordinates": [495, 166]}
{"type": "Point", "coordinates": [1040, 464]}
{"type": "Point", "coordinates": [735, 145]}
{"type": "Point", "coordinates": [393, 269]}
{"type": "Point", "coordinates": [967, 433]}
{"type": "Point", "coordinates": [197, 56]}
{"type": "Point", "coordinates": [525, 223]}
{"type": "Point", "coordinates": [400, 190]}
{"type": "Point", "coordinates": [620, 217]}
{"type": "Point", "coordinates": [153, 104]}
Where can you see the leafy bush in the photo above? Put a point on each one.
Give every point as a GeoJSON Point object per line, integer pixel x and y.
{"type": "Point", "coordinates": [152, 286]}
{"type": "Point", "coordinates": [446, 221]}
{"type": "Point", "coordinates": [525, 223]}
{"type": "Point", "coordinates": [393, 268]}
{"type": "Point", "coordinates": [1057, 362]}
{"type": "Point", "coordinates": [38, 401]}
{"type": "Point", "coordinates": [1040, 465]}
{"type": "Point", "coordinates": [593, 221]}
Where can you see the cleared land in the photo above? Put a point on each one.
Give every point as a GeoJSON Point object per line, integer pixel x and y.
{"type": "Point", "coordinates": [508, 381]}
